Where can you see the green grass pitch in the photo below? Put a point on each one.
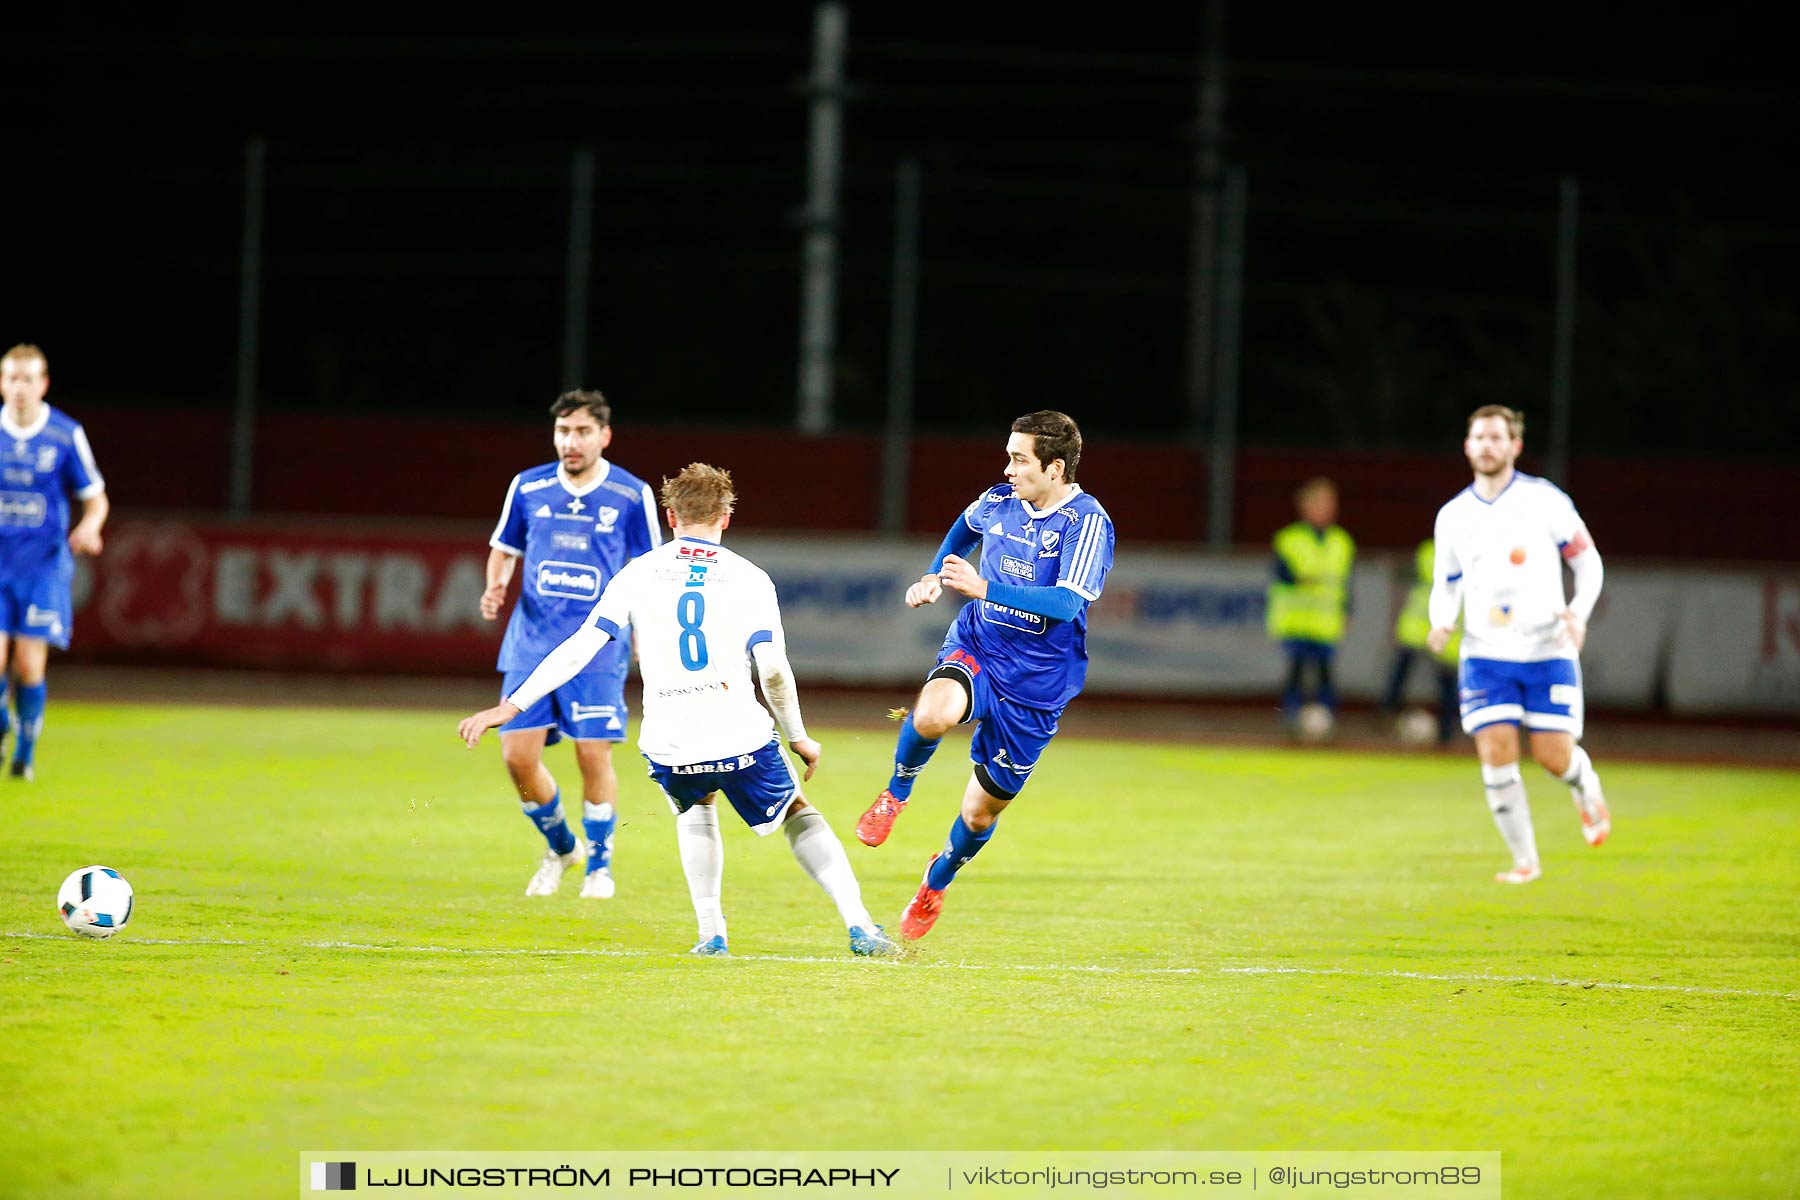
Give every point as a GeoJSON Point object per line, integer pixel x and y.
{"type": "Point", "coordinates": [1165, 947]}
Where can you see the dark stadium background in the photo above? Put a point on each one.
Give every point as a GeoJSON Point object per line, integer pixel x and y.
{"type": "Point", "coordinates": [1402, 180]}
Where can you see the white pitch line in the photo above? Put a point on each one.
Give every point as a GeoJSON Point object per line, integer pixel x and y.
{"type": "Point", "coordinates": [1066, 968]}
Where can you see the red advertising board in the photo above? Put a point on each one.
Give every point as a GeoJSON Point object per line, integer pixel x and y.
{"type": "Point", "coordinates": [287, 597]}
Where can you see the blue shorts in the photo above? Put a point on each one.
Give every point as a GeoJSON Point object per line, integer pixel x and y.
{"type": "Point", "coordinates": [760, 786]}
{"type": "Point", "coordinates": [38, 605]}
{"type": "Point", "coordinates": [1545, 696]}
{"type": "Point", "coordinates": [1009, 737]}
{"type": "Point", "coordinates": [590, 707]}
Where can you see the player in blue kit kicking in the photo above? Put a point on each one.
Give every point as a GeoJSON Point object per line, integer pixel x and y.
{"type": "Point", "coordinates": [1016, 656]}
{"type": "Point", "coordinates": [575, 522]}
{"type": "Point", "coordinates": [44, 460]}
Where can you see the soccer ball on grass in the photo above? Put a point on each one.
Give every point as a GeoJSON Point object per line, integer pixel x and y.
{"type": "Point", "coordinates": [1314, 723]}
{"type": "Point", "coordinates": [95, 902]}
{"type": "Point", "coordinates": [1416, 727]}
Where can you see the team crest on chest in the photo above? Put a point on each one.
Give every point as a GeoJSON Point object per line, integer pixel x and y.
{"type": "Point", "coordinates": [606, 518]}
{"type": "Point", "coordinates": [46, 459]}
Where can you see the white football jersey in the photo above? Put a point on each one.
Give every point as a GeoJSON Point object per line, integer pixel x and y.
{"type": "Point", "coordinates": [698, 608]}
{"type": "Point", "coordinates": [1504, 558]}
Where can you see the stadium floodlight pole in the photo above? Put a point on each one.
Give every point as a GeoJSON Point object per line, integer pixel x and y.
{"type": "Point", "coordinates": [580, 268]}
{"type": "Point", "coordinates": [243, 424]}
{"type": "Point", "coordinates": [1209, 136]}
{"type": "Point", "coordinates": [1562, 362]}
{"type": "Point", "coordinates": [1222, 446]}
{"type": "Point", "coordinates": [902, 336]}
{"type": "Point", "coordinates": [819, 221]}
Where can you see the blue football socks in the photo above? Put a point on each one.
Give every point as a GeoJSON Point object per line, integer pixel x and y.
{"type": "Point", "coordinates": [549, 820]}
{"type": "Point", "coordinates": [963, 845]}
{"type": "Point", "coordinates": [31, 698]}
{"type": "Point", "coordinates": [5, 707]}
{"type": "Point", "coordinates": [598, 821]}
{"type": "Point", "coordinates": [911, 753]}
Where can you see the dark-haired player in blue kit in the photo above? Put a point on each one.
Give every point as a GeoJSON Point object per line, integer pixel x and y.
{"type": "Point", "coordinates": [1015, 657]}
{"type": "Point", "coordinates": [44, 460]}
{"type": "Point", "coordinates": [575, 522]}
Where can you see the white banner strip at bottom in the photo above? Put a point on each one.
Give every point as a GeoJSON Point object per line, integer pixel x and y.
{"type": "Point", "coordinates": [1416, 1174]}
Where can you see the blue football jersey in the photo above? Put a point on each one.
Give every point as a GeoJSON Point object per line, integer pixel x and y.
{"type": "Point", "coordinates": [573, 541]}
{"type": "Point", "coordinates": [41, 466]}
{"type": "Point", "coordinates": [1036, 661]}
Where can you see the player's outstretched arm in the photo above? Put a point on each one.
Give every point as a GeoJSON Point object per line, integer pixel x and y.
{"type": "Point", "coordinates": [472, 727]}
{"type": "Point", "coordinates": [777, 675]}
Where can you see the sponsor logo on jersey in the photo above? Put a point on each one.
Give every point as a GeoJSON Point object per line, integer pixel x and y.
{"type": "Point", "coordinates": [576, 581]}
{"type": "Point", "coordinates": [1012, 618]}
{"type": "Point", "coordinates": [26, 509]}
{"type": "Point", "coordinates": [1013, 566]}
{"type": "Point", "coordinates": [607, 517]}
{"type": "Point", "coordinates": [536, 485]}
{"type": "Point", "coordinates": [576, 509]}
{"type": "Point", "coordinates": [691, 690]}
{"type": "Point", "coordinates": [704, 553]}
{"type": "Point", "coordinates": [543, 511]}
{"type": "Point", "coordinates": [568, 541]}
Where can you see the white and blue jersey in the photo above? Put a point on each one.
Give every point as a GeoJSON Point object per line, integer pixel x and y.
{"type": "Point", "coordinates": [1030, 659]}
{"type": "Point", "coordinates": [573, 540]}
{"type": "Point", "coordinates": [42, 465]}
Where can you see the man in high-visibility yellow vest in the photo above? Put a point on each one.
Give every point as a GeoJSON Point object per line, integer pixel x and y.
{"type": "Point", "coordinates": [1309, 596]}
{"type": "Point", "coordinates": [1410, 633]}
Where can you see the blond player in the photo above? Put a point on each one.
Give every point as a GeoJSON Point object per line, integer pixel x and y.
{"type": "Point", "coordinates": [702, 616]}
{"type": "Point", "coordinates": [1501, 546]}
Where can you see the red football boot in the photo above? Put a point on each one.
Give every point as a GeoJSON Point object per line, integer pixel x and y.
{"type": "Point", "coordinates": [873, 827]}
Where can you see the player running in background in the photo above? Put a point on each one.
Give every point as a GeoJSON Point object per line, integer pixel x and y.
{"type": "Point", "coordinates": [45, 458]}
{"type": "Point", "coordinates": [703, 614]}
{"type": "Point", "coordinates": [1015, 657]}
{"type": "Point", "coordinates": [1501, 544]}
{"type": "Point", "coordinates": [575, 522]}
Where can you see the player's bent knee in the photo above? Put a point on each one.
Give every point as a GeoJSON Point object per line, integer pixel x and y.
{"type": "Point", "coordinates": [944, 703]}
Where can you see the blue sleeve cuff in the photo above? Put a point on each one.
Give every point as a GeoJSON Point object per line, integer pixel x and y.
{"type": "Point", "coordinates": [608, 628]}
{"type": "Point", "coordinates": [959, 541]}
{"type": "Point", "coordinates": [757, 639]}
{"type": "Point", "coordinates": [1057, 603]}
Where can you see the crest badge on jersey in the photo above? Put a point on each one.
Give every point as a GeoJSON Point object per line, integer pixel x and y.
{"type": "Point", "coordinates": [607, 517]}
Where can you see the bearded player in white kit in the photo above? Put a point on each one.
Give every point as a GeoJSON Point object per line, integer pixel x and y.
{"type": "Point", "coordinates": [1501, 544]}
{"type": "Point", "coordinates": [703, 615]}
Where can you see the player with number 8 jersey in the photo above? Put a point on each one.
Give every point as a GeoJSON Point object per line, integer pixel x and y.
{"type": "Point", "coordinates": [702, 615]}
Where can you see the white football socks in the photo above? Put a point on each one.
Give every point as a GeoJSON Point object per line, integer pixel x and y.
{"type": "Point", "coordinates": [822, 857]}
{"type": "Point", "coordinates": [703, 862]}
{"type": "Point", "coordinates": [1581, 775]}
{"type": "Point", "coordinates": [1512, 811]}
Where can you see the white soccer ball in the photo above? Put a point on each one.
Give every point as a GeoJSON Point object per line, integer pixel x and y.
{"type": "Point", "coordinates": [95, 902]}
{"type": "Point", "coordinates": [1314, 722]}
{"type": "Point", "coordinates": [1416, 727]}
